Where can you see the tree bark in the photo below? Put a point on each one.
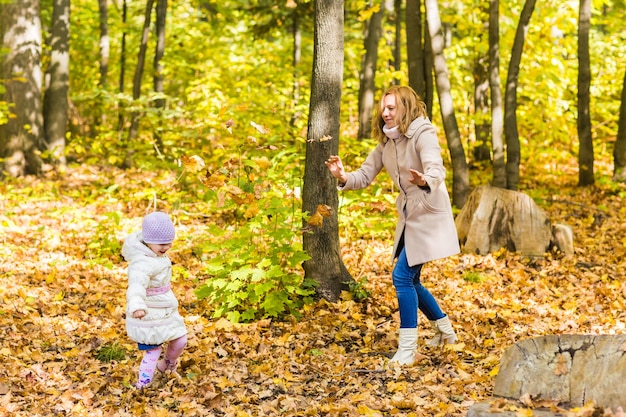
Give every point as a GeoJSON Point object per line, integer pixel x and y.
{"type": "Point", "coordinates": [367, 88]}
{"type": "Point", "coordinates": [55, 111]}
{"type": "Point", "coordinates": [497, 139]}
{"type": "Point", "coordinates": [141, 60]}
{"type": "Point", "coordinates": [460, 171]}
{"type": "Point", "coordinates": [322, 243]}
{"type": "Point", "coordinates": [619, 152]}
{"type": "Point", "coordinates": [585, 150]}
{"type": "Point", "coordinates": [105, 42]}
{"type": "Point", "coordinates": [415, 47]}
{"type": "Point", "coordinates": [510, 107]}
{"type": "Point", "coordinates": [22, 137]}
{"type": "Point", "coordinates": [159, 51]}
{"type": "Point", "coordinates": [482, 150]}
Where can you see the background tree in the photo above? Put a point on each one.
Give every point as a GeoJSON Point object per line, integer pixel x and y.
{"type": "Point", "coordinates": [55, 109]}
{"type": "Point", "coordinates": [619, 152]}
{"type": "Point", "coordinates": [497, 140]}
{"type": "Point", "coordinates": [322, 244]}
{"type": "Point", "coordinates": [460, 171]}
{"type": "Point", "coordinates": [415, 48]}
{"type": "Point", "coordinates": [585, 153]}
{"type": "Point", "coordinates": [511, 132]}
{"type": "Point", "coordinates": [367, 87]}
{"type": "Point", "coordinates": [22, 137]}
{"type": "Point", "coordinates": [141, 60]}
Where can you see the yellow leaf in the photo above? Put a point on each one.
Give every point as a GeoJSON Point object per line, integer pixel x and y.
{"type": "Point", "coordinates": [59, 296]}
{"type": "Point", "coordinates": [192, 163]}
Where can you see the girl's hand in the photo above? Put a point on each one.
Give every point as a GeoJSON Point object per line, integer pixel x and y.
{"type": "Point", "coordinates": [139, 314]}
{"type": "Point", "coordinates": [417, 178]}
{"type": "Point", "coordinates": [335, 166]}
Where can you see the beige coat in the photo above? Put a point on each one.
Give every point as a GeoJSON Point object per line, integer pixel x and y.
{"type": "Point", "coordinates": [425, 216]}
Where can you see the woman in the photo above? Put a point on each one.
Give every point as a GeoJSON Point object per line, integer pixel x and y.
{"type": "Point", "coordinates": [409, 150]}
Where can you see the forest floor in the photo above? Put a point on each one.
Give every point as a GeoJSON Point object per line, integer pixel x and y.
{"type": "Point", "coordinates": [61, 304]}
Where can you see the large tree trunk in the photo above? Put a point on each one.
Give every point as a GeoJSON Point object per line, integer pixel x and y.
{"type": "Point", "coordinates": [585, 151]}
{"type": "Point", "coordinates": [495, 218]}
{"type": "Point", "coordinates": [22, 137]}
{"type": "Point", "coordinates": [322, 243]}
{"type": "Point", "coordinates": [497, 139]}
{"type": "Point", "coordinates": [510, 98]}
{"type": "Point", "coordinates": [415, 47]}
{"type": "Point", "coordinates": [367, 88]}
{"type": "Point", "coordinates": [460, 171]}
{"type": "Point", "coordinates": [58, 83]}
{"type": "Point", "coordinates": [619, 152]}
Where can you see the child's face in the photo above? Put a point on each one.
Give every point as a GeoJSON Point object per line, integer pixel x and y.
{"type": "Point", "coordinates": [159, 249]}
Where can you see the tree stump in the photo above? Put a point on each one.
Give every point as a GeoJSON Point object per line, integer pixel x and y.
{"type": "Point", "coordinates": [565, 370]}
{"type": "Point", "coordinates": [495, 218]}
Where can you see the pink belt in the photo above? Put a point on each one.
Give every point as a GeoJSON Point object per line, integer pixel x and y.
{"type": "Point", "coordinates": [158, 290]}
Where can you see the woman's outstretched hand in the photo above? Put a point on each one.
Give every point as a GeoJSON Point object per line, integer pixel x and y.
{"type": "Point", "coordinates": [335, 166]}
{"type": "Point", "coordinates": [417, 178]}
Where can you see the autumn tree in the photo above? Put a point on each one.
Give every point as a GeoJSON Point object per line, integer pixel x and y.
{"type": "Point", "coordinates": [460, 171]}
{"type": "Point", "coordinates": [367, 89]}
{"type": "Point", "coordinates": [58, 83]}
{"type": "Point", "coordinates": [497, 139]}
{"type": "Point", "coordinates": [22, 137]}
{"type": "Point", "coordinates": [585, 152]}
{"type": "Point", "coordinates": [619, 152]}
{"type": "Point", "coordinates": [322, 242]}
{"type": "Point", "coordinates": [511, 132]}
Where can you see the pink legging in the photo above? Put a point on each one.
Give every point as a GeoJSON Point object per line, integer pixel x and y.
{"type": "Point", "coordinates": [149, 362]}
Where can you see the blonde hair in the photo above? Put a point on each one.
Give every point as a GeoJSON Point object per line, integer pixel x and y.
{"type": "Point", "coordinates": [409, 106]}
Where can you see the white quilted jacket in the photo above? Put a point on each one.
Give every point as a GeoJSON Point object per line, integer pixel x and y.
{"type": "Point", "coordinates": [149, 279]}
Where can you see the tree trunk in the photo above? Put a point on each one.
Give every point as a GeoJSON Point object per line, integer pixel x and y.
{"type": "Point", "coordinates": [482, 150]}
{"type": "Point", "coordinates": [297, 54]}
{"type": "Point", "coordinates": [494, 218]}
{"type": "Point", "coordinates": [619, 152]}
{"type": "Point", "coordinates": [22, 137]}
{"type": "Point", "coordinates": [322, 243]}
{"type": "Point", "coordinates": [510, 107]}
{"type": "Point", "coordinates": [367, 89]}
{"type": "Point", "coordinates": [105, 42]}
{"type": "Point", "coordinates": [585, 151]}
{"type": "Point", "coordinates": [141, 60]}
{"type": "Point", "coordinates": [397, 49]}
{"type": "Point", "coordinates": [121, 81]}
{"type": "Point", "coordinates": [497, 140]}
{"type": "Point", "coordinates": [415, 47]}
{"type": "Point", "coordinates": [429, 64]}
{"type": "Point", "coordinates": [460, 171]}
{"type": "Point", "coordinates": [58, 75]}
{"type": "Point", "coordinates": [159, 51]}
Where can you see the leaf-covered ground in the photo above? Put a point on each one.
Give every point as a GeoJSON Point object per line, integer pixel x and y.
{"type": "Point", "coordinates": [61, 304]}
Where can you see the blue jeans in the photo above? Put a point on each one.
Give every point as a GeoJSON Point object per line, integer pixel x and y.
{"type": "Point", "coordinates": [412, 294]}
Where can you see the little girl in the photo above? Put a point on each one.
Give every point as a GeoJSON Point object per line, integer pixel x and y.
{"type": "Point", "coordinates": [152, 316]}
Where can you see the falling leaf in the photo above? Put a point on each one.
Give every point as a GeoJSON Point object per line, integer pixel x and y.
{"type": "Point", "coordinates": [261, 129]}
{"type": "Point", "coordinates": [317, 219]}
{"type": "Point", "coordinates": [192, 163]}
{"type": "Point", "coordinates": [229, 125]}
{"type": "Point", "coordinates": [213, 180]}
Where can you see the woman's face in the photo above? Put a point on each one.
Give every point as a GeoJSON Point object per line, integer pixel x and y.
{"type": "Point", "coordinates": [389, 110]}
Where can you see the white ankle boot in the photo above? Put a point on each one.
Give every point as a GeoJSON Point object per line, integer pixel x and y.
{"type": "Point", "coordinates": [444, 333]}
{"type": "Point", "coordinates": [407, 343]}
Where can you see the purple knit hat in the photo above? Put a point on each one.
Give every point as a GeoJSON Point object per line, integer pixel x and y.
{"type": "Point", "coordinates": [157, 228]}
